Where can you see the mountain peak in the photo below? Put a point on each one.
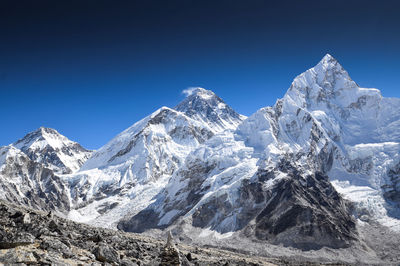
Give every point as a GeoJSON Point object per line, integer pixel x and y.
{"type": "Point", "coordinates": [199, 94]}
{"type": "Point", "coordinates": [320, 84]}
{"type": "Point", "coordinates": [47, 136]}
{"type": "Point", "coordinates": [205, 106]}
{"type": "Point", "coordinates": [327, 58]}
{"type": "Point", "coordinates": [48, 130]}
{"type": "Point", "coordinates": [198, 91]}
{"type": "Point", "coordinates": [203, 93]}
{"type": "Point", "coordinates": [44, 132]}
{"type": "Point", "coordinates": [55, 151]}
{"type": "Point", "coordinates": [328, 63]}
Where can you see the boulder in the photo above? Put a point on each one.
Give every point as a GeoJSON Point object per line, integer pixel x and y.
{"type": "Point", "coordinates": [105, 253]}
{"type": "Point", "coordinates": [9, 240]}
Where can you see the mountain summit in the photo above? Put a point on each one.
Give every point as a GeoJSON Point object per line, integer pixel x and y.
{"type": "Point", "coordinates": [53, 150]}
{"type": "Point", "coordinates": [205, 106]}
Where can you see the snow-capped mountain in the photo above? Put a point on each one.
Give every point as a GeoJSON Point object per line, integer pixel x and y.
{"type": "Point", "coordinates": [363, 129]}
{"type": "Point", "coordinates": [53, 150]}
{"type": "Point", "coordinates": [306, 172]}
{"type": "Point", "coordinates": [122, 177]}
{"type": "Point", "coordinates": [270, 177]}
{"type": "Point", "coordinates": [30, 169]}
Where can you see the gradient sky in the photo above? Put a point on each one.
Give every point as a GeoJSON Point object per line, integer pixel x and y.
{"type": "Point", "coordinates": [90, 69]}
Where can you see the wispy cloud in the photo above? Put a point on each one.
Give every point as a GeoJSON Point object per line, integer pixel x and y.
{"type": "Point", "coordinates": [189, 91]}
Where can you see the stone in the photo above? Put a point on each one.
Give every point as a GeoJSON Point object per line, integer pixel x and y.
{"type": "Point", "coordinates": [127, 263]}
{"type": "Point", "coordinates": [189, 256]}
{"type": "Point", "coordinates": [170, 254]}
{"type": "Point", "coordinates": [26, 219]}
{"type": "Point", "coordinates": [169, 240]}
{"type": "Point", "coordinates": [9, 240]}
{"type": "Point", "coordinates": [105, 253]}
{"type": "Point", "coordinates": [14, 256]}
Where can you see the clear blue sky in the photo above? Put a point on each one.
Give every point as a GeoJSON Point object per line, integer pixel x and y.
{"type": "Point", "coordinates": [90, 69]}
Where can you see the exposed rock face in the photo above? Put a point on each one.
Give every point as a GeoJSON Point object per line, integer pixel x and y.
{"type": "Point", "coordinates": [29, 183]}
{"type": "Point", "coordinates": [104, 253]}
{"type": "Point", "coordinates": [14, 239]}
{"type": "Point", "coordinates": [300, 210]}
{"type": "Point", "coordinates": [305, 212]}
{"type": "Point", "coordinates": [392, 189]}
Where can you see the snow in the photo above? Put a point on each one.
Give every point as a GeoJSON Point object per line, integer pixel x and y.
{"type": "Point", "coordinates": [167, 217]}
{"type": "Point", "coordinates": [207, 233]}
{"type": "Point", "coordinates": [323, 110]}
{"type": "Point", "coordinates": [140, 161]}
{"type": "Point", "coordinates": [361, 125]}
{"type": "Point", "coordinates": [8, 152]}
{"type": "Point", "coordinates": [65, 150]}
{"type": "Point", "coordinates": [368, 199]}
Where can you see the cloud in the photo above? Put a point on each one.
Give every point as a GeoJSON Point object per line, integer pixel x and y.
{"type": "Point", "coordinates": [189, 91]}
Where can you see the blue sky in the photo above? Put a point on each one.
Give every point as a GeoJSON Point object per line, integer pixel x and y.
{"type": "Point", "coordinates": [90, 69]}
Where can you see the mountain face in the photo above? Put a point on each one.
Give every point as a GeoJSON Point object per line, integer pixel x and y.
{"type": "Point", "coordinates": [308, 172]}
{"type": "Point", "coordinates": [122, 177]}
{"type": "Point", "coordinates": [363, 129]}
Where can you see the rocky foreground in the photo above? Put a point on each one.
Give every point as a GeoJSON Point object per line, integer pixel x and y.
{"type": "Point", "coordinates": [37, 238]}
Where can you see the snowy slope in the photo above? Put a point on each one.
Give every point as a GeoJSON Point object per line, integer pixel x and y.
{"type": "Point", "coordinates": [122, 177]}
{"type": "Point", "coordinates": [53, 150]}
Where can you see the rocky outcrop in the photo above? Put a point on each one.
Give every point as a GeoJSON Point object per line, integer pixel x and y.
{"type": "Point", "coordinates": [392, 190]}
{"type": "Point", "coordinates": [50, 240]}
{"type": "Point", "coordinates": [306, 212]}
